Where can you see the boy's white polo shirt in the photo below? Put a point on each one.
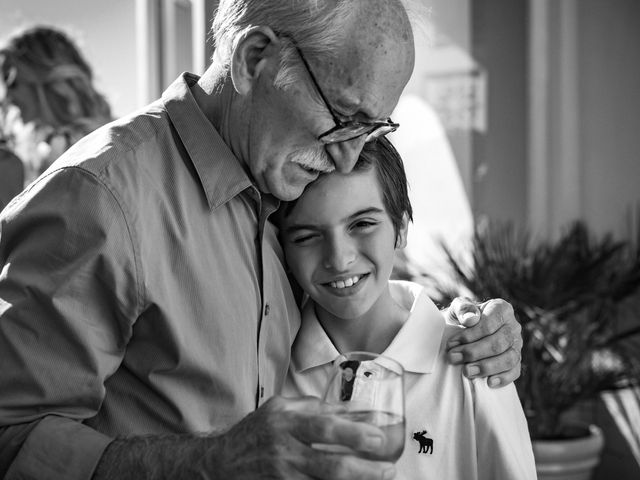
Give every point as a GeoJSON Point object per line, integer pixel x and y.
{"type": "Point", "coordinates": [457, 429]}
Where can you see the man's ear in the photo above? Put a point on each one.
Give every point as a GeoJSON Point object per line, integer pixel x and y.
{"type": "Point", "coordinates": [401, 238]}
{"type": "Point", "coordinates": [250, 58]}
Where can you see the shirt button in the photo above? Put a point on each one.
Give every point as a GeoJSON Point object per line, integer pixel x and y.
{"type": "Point", "coordinates": [266, 310]}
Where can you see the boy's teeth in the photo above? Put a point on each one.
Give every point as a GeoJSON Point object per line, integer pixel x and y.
{"type": "Point", "coordinates": [349, 282]}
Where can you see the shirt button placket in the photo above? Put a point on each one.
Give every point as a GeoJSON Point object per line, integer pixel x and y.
{"type": "Point", "coordinates": [265, 312]}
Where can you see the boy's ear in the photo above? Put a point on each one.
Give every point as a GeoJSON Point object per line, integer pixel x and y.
{"type": "Point", "coordinates": [252, 55]}
{"type": "Point", "coordinates": [401, 239]}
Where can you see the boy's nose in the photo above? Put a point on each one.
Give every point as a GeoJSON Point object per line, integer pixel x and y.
{"type": "Point", "coordinates": [339, 256]}
{"type": "Point", "coordinates": [345, 154]}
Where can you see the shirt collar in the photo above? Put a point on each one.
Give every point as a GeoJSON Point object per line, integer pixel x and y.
{"type": "Point", "coordinates": [220, 171]}
{"type": "Point", "coordinates": [416, 346]}
{"type": "Point", "coordinates": [312, 346]}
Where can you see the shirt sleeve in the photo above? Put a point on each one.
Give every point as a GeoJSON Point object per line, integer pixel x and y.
{"type": "Point", "coordinates": [43, 456]}
{"type": "Point", "coordinates": [502, 436]}
{"type": "Point", "coordinates": [68, 298]}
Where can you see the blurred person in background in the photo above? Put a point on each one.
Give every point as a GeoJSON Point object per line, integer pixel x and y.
{"type": "Point", "coordinates": [47, 95]}
{"type": "Point", "coordinates": [11, 175]}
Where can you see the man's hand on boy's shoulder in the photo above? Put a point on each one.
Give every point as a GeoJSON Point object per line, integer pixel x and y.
{"type": "Point", "coordinates": [490, 344]}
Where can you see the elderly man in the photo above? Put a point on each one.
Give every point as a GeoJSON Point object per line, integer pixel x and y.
{"type": "Point", "coordinates": [146, 315]}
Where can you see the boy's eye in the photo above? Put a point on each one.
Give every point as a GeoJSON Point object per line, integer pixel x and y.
{"type": "Point", "coordinates": [364, 224]}
{"type": "Point", "coordinates": [302, 239]}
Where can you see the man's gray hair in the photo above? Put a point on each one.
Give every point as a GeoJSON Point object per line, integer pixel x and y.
{"type": "Point", "coordinates": [314, 26]}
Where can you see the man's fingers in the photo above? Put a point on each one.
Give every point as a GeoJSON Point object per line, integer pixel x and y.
{"type": "Point", "coordinates": [496, 314]}
{"type": "Point", "coordinates": [464, 311]}
{"type": "Point", "coordinates": [518, 342]}
{"type": "Point", "coordinates": [505, 377]}
{"type": "Point", "coordinates": [323, 464]}
{"type": "Point", "coordinates": [312, 421]}
{"type": "Point", "coordinates": [484, 348]}
{"type": "Point", "coordinates": [491, 348]}
{"type": "Point", "coordinates": [334, 430]}
{"type": "Point", "coordinates": [338, 447]}
{"type": "Point", "coordinates": [499, 312]}
{"type": "Point", "coordinates": [505, 365]}
{"type": "Point", "coordinates": [304, 404]}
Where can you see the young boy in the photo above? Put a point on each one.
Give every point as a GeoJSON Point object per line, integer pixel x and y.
{"type": "Point", "coordinates": [340, 239]}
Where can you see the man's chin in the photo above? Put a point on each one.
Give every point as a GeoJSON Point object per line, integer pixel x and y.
{"type": "Point", "coordinates": [289, 193]}
{"type": "Point", "coordinates": [290, 189]}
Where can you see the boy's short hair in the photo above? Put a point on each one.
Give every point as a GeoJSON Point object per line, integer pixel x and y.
{"type": "Point", "coordinates": [381, 155]}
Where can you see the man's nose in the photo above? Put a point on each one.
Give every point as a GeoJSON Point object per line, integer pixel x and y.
{"type": "Point", "coordinates": [345, 154]}
{"type": "Point", "coordinates": [339, 255]}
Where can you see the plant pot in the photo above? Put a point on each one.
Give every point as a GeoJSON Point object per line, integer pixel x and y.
{"type": "Point", "coordinates": [572, 459]}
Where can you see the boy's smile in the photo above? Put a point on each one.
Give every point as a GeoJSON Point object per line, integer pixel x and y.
{"type": "Point", "coordinates": [347, 287]}
{"type": "Point", "coordinates": [348, 282]}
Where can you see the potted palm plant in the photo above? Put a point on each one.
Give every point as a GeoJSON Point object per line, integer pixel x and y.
{"type": "Point", "coordinates": [570, 297]}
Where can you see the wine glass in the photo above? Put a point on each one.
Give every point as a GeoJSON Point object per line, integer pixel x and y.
{"type": "Point", "coordinates": [370, 387]}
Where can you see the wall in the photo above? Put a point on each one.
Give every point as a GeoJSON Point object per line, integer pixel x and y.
{"type": "Point", "coordinates": [104, 30]}
{"type": "Point", "coordinates": [591, 121]}
{"type": "Point", "coordinates": [610, 110]}
{"type": "Point", "coordinates": [499, 32]}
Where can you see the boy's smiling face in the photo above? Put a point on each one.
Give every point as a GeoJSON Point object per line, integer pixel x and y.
{"type": "Point", "coordinates": [339, 242]}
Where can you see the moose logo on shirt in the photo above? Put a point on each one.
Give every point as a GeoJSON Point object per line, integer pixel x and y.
{"type": "Point", "coordinates": [426, 443]}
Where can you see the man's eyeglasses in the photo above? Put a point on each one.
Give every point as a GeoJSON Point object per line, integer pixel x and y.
{"type": "Point", "coordinates": [345, 131]}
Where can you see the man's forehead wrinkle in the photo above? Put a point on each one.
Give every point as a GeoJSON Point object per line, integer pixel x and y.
{"type": "Point", "coordinates": [340, 81]}
{"type": "Point", "coordinates": [377, 44]}
{"type": "Point", "coordinates": [354, 81]}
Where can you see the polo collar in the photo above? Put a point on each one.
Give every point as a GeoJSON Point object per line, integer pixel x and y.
{"type": "Point", "coordinates": [312, 346]}
{"type": "Point", "coordinates": [219, 170]}
{"type": "Point", "coordinates": [416, 346]}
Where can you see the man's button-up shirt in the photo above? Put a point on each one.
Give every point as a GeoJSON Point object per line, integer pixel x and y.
{"type": "Point", "coordinates": [132, 293]}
